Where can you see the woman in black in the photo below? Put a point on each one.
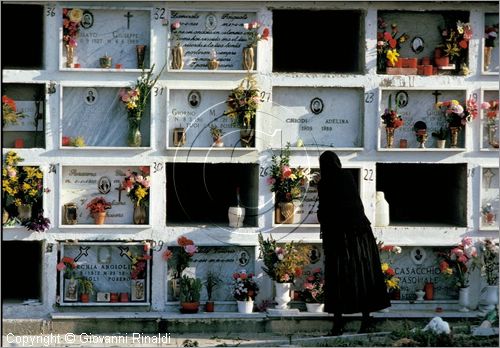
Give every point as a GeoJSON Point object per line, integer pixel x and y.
{"type": "Point", "coordinates": [354, 281]}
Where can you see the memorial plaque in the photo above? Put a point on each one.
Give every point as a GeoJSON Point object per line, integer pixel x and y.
{"type": "Point", "coordinates": [195, 111]}
{"type": "Point", "coordinates": [490, 195]}
{"type": "Point", "coordinates": [319, 117]}
{"type": "Point", "coordinates": [82, 184]}
{"type": "Point", "coordinates": [201, 32]}
{"type": "Point", "coordinates": [306, 208]}
{"type": "Point", "coordinates": [108, 267]}
{"type": "Point", "coordinates": [27, 123]}
{"type": "Point", "coordinates": [114, 33]}
{"type": "Point", "coordinates": [224, 261]}
{"type": "Point", "coordinates": [414, 267]}
{"type": "Point", "coordinates": [418, 106]}
{"type": "Point", "coordinates": [98, 115]}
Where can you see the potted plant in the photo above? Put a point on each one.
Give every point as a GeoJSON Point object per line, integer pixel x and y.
{"type": "Point", "coordinates": [286, 183]}
{"type": "Point", "coordinates": [178, 260]}
{"type": "Point", "coordinates": [137, 186]}
{"type": "Point", "coordinates": [441, 136]}
{"type": "Point", "coordinates": [213, 280]}
{"type": "Point", "coordinates": [98, 207]}
{"type": "Point", "coordinates": [314, 292]}
{"type": "Point", "coordinates": [190, 289]}
{"type": "Point", "coordinates": [216, 134]}
{"type": "Point", "coordinates": [86, 288]}
{"type": "Point", "coordinates": [244, 290]}
{"type": "Point", "coordinates": [283, 264]}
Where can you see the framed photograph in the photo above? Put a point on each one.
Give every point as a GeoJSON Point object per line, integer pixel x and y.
{"type": "Point", "coordinates": [70, 290]}
{"type": "Point", "coordinates": [137, 290]}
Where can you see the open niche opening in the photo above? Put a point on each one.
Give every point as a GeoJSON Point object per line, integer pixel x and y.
{"type": "Point", "coordinates": [27, 52]}
{"type": "Point", "coordinates": [424, 194]}
{"type": "Point", "coordinates": [299, 48]}
{"type": "Point", "coordinates": [27, 257]}
{"type": "Point", "coordinates": [200, 193]}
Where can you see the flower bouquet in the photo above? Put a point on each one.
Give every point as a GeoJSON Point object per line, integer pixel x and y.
{"type": "Point", "coordinates": [392, 120]}
{"type": "Point", "coordinates": [391, 281]}
{"type": "Point", "coordinates": [455, 41]}
{"type": "Point", "coordinates": [491, 111]}
{"type": "Point", "coordinates": [253, 37]}
{"type": "Point", "coordinates": [72, 19]}
{"type": "Point", "coordinates": [139, 265]}
{"type": "Point", "coordinates": [287, 184]}
{"type": "Point", "coordinates": [242, 105]}
{"type": "Point", "coordinates": [283, 263]}
{"type": "Point", "coordinates": [457, 262]}
{"type": "Point", "coordinates": [135, 100]}
{"type": "Point", "coordinates": [97, 208]}
{"type": "Point", "coordinates": [244, 287]}
{"type": "Point", "coordinates": [9, 111]}
{"type": "Point", "coordinates": [457, 116]}
{"type": "Point", "coordinates": [68, 265]}
{"type": "Point", "coordinates": [388, 44]}
{"type": "Point", "coordinates": [178, 259]}
{"type": "Point", "coordinates": [489, 261]}
{"type": "Point", "coordinates": [314, 291]}
{"type": "Point", "coordinates": [137, 187]}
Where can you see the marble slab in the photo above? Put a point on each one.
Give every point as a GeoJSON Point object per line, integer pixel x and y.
{"type": "Point", "coordinates": [97, 115]}
{"type": "Point", "coordinates": [204, 31]}
{"type": "Point", "coordinates": [320, 117]}
{"type": "Point", "coordinates": [490, 193]}
{"type": "Point", "coordinates": [115, 33]}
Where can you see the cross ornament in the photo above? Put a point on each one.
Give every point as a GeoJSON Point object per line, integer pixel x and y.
{"type": "Point", "coordinates": [128, 16]}
{"type": "Point", "coordinates": [436, 94]}
{"type": "Point", "coordinates": [119, 189]}
{"type": "Point", "coordinates": [84, 251]}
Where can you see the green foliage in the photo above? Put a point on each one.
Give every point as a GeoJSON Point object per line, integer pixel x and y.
{"type": "Point", "coordinates": [441, 134]}
{"type": "Point", "coordinates": [86, 286]}
{"type": "Point", "coordinates": [190, 289]}
{"type": "Point", "coordinates": [213, 280]}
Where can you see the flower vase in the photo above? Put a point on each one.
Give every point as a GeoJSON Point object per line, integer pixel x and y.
{"type": "Point", "coordinates": [139, 215]}
{"type": "Point", "coordinates": [441, 144]}
{"type": "Point", "coordinates": [24, 212]}
{"type": "Point", "coordinates": [422, 138]}
{"type": "Point", "coordinates": [134, 137]}
{"type": "Point", "coordinates": [463, 299]}
{"type": "Point", "coordinates": [5, 216]}
{"type": "Point", "coordinates": [282, 297]}
{"type": "Point", "coordinates": [315, 307]}
{"type": "Point", "coordinates": [489, 298]}
{"type": "Point", "coordinates": [236, 216]}
{"type": "Point", "coordinates": [287, 211]}
{"type": "Point", "coordinates": [247, 137]}
{"type": "Point", "coordinates": [487, 57]}
{"type": "Point", "coordinates": [454, 136]}
{"type": "Point", "coordinates": [100, 218]}
{"type": "Point", "coordinates": [177, 58]}
{"type": "Point", "coordinates": [70, 54]}
{"type": "Point", "coordinates": [141, 53]}
{"type": "Point", "coordinates": [245, 307]}
{"type": "Point", "coordinates": [389, 134]}
{"type": "Point", "coordinates": [492, 130]}
{"type": "Point", "coordinates": [248, 58]}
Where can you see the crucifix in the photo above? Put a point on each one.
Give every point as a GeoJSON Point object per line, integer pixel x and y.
{"type": "Point", "coordinates": [128, 16]}
{"type": "Point", "coordinates": [124, 251]}
{"type": "Point", "coordinates": [119, 189]}
{"type": "Point", "coordinates": [84, 251]}
{"type": "Point", "coordinates": [436, 94]}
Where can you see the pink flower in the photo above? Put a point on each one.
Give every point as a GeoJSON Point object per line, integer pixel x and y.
{"type": "Point", "coordinates": [236, 275]}
{"type": "Point", "coordinates": [271, 180]}
{"type": "Point", "coordinates": [310, 278]}
{"type": "Point", "coordinates": [485, 105]}
{"type": "Point", "coordinates": [265, 34]}
{"type": "Point", "coordinates": [246, 26]}
{"type": "Point", "coordinates": [316, 270]}
{"type": "Point", "coordinates": [176, 25]}
{"type": "Point", "coordinates": [286, 172]}
{"type": "Point", "coordinates": [467, 241]}
{"type": "Point", "coordinates": [72, 42]}
{"type": "Point", "coordinates": [463, 259]}
{"type": "Point", "coordinates": [308, 286]}
{"type": "Point", "coordinates": [61, 266]}
{"type": "Point", "coordinates": [167, 255]}
{"type": "Point", "coordinates": [190, 249]}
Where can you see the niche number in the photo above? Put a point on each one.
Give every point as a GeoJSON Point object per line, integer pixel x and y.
{"type": "Point", "coordinates": [369, 97]}
{"type": "Point", "coordinates": [52, 168]}
{"type": "Point", "coordinates": [264, 171]}
{"type": "Point", "coordinates": [158, 91]}
{"type": "Point", "coordinates": [159, 13]}
{"type": "Point", "coordinates": [368, 175]}
{"type": "Point", "coordinates": [157, 167]}
{"type": "Point", "coordinates": [51, 11]}
{"type": "Point", "coordinates": [265, 96]}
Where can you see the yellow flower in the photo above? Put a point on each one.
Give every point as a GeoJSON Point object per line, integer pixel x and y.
{"type": "Point", "coordinates": [392, 56]}
{"type": "Point", "coordinates": [78, 142]}
{"type": "Point", "coordinates": [33, 193]}
{"type": "Point", "coordinates": [392, 283]}
{"type": "Point", "coordinates": [75, 15]}
{"type": "Point", "coordinates": [26, 186]}
{"type": "Point", "coordinates": [140, 193]}
{"type": "Point", "coordinates": [385, 266]}
{"type": "Point", "coordinates": [131, 105]}
{"type": "Point", "coordinates": [18, 202]}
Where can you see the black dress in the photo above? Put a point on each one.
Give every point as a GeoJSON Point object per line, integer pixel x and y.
{"type": "Point", "coordinates": [354, 281]}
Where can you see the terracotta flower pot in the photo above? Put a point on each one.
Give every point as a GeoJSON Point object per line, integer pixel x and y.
{"type": "Point", "coordinates": [209, 306]}
{"type": "Point", "coordinates": [100, 218]}
{"type": "Point", "coordinates": [189, 307]}
{"type": "Point", "coordinates": [442, 61]}
{"type": "Point", "coordinates": [84, 298]}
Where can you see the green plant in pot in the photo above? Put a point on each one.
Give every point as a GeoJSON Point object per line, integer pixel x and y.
{"type": "Point", "coordinates": [190, 289]}
{"type": "Point", "coordinates": [213, 280]}
{"type": "Point", "coordinates": [86, 289]}
{"type": "Point", "coordinates": [441, 136]}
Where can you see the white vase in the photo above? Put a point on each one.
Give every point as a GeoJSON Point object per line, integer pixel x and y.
{"type": "Point", "coordinates": [245, 306]}
{"type": "Point", "coordinates": [463, 299]}
{"type": "Point", "coordinates": [420, 295]}
{"type": "Point", "coordinates": [282, 297]}
{"type": "Point", "coordinates": [441, 144]}
{"type": "Point", "coordinates": [236, 216]}
{"type": "Point", "coordinates": [381, 210]}
{"type": "Point", "coordinates": [315, 307]}
{"type": "Point", "coordinates": [489, 298]}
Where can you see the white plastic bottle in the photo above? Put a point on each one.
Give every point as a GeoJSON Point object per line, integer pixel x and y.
{"type": "Point", "coordinates": [381, 210]}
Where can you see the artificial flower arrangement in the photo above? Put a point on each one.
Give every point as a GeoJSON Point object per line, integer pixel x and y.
{"type": "Point", "coordinates": [455, 41]}
{"type": "Point", "coordinates": [457, 262]}
{"type": "Point", "coordinates": [253, 35]}
{"type": "Point", "coordinates": [71, 25]}
{"type": "Point", "coordinates": [135, 100]}
{"type": "Point", "coordinates": [98, 205]}
{"type": "Point", "coordinates": [178, 259]}
{"type": "Point", "coordinates": [244, 287]}
{"type": "Point", "coordinates": [491, 109]}
{"type": "Point", "coordinates": [78, 141]}
{"type": "Point", "coordinates": [456, 115]}
{"type": "Point", "coordinates": [283, 263]}
{"type": "Point", "coordinates": [488, 213]}
{"type": "Point", "coordinates": [137, 186]}
{"type": "Point", "coordinates": [390, 117]}
{"type": "Point", "coordinates": [242, 103]}
{"type": "Point", "coordinates": [139, 263]}
{"type": "Point", "coordinates": [68, 265]}
{"type": "Point", "coordinates": [391, 281]}
{"type": "Point", "coordinates": [388, 44]}
{"type": "Point", "coordinates": [23, 186]}
{"type": "Point", "coordinates": [176, 36]}
{"type": "Point", "coordinates": [489, 261]}
{"type": "Point", "coordinates": [286, 182]}
{"type": "Point", "coordinates": [9, 111]}
{"type": "Point", "coordinates": [314, 291]}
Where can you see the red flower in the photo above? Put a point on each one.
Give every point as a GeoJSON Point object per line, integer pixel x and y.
{"type": "Point", "coordinates": [265, 34]}
{"type": "Point", "coordinates": [61, 266]}
{"type": "Point", "coordinates": [67, 259]}
{"type": "Point", "coordinates": [463, 43]}
{"type": "Point", "coordinates": [243, 276]}
{"type": "Point", "coordinates": [167, 255]}
{"type": "Point", "coordinates": [236, 275]}
{"type": "Point", "coordinates": [387, 36]}
{"type": "Point", "coordinates": [145, 170]}
{"type": "Point", "coordinates": [390, 272]}
{"type": "Point", "coordinates": [443, 265]}
{"type": "Point", "coordinates": [183, 241]}
{"type": "Point", "coordinates": [393, 43]}
{"type": "Point", "coordinates": [298, 272]}
{"type": "Point", "coordinates": [10, 102]}
{"type": "Point", "coordinates": [66, 141]}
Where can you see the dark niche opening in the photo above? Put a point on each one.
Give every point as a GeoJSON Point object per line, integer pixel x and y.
{"type": "Point", "coordinates": [303, 48]}
{"type": "Point", "coordinates": [426, 194]}
{"type": "Point", "coordinates": [32, 134]}
{"type": "Point", "coordinates": [21, 270]}
{"type": "Point", "coordinates": [200, 193]}
{"type": "Point", "coordinates": [22, 52]}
